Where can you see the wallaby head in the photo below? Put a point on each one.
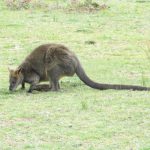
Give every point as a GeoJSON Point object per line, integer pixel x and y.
{"type": "Point", "coordinates": [15, 78]}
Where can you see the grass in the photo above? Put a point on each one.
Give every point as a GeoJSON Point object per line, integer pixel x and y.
{"type": "Point", "coordinates": [79, 117]}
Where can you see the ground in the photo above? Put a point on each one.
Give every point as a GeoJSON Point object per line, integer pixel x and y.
{"type": "Point", "coordinates": [79, 117]}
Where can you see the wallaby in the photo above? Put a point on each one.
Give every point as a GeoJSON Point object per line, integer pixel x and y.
{"type": "Point", "coordinates": [52, 62]}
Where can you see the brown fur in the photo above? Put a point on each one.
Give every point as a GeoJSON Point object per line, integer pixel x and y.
{"type": "Point", "coordinates": [52, 62]}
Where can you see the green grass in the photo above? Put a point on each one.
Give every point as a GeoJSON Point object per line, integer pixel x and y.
{"type": "Point", "coordinates": [79, 117]}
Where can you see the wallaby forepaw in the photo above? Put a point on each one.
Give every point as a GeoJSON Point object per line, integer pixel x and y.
{"type": "Point", "coordinates": [29, 91]}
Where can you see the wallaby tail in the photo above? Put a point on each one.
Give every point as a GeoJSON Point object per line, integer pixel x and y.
{"type": "Point", "coordinates": [82, 75]}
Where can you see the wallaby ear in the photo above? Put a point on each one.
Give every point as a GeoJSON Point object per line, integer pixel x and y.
{"type": "Point", "coordinates": [10, 70]}
{"type": "Point", "coordinates": [18, 71]}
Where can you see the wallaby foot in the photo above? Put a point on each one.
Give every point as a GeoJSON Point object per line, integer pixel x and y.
{"type": "Point", "coordinates": [55, 89]}
{"type": "Point", "coordinates": [29, 91]}
{"type": "Point", "coordinates": [23, 86]}
{"type": "Point", "coordinates": [55, 85]}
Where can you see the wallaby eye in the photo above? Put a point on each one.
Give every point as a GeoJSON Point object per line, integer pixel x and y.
{"type": "Point", "coordinates": [13, 82]}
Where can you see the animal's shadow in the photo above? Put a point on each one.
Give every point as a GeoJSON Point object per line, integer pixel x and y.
{"type": "Point", "coordinates": [41, 88]}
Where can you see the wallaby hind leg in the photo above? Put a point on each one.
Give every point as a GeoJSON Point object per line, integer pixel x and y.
{"type": "Point", "coordinates": [55, 85]}
{"type": "Point", "coordinates": [23, 86]}
{"type": "Point", "coordinates": [55, 74]}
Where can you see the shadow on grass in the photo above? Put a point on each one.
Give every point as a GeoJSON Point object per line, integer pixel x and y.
{"type": "Point", "coordinates": [65, 86]}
